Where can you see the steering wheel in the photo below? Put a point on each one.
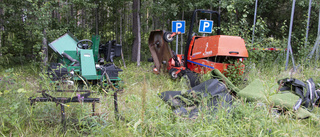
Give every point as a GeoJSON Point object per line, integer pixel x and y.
{"type": "Point", "coordinates": [84, 44]}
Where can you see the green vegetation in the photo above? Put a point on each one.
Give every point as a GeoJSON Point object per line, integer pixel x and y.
{"type": "Point", "coordinates": [26, 26]}
{"type": "Point", "coordinates": [144, 112]}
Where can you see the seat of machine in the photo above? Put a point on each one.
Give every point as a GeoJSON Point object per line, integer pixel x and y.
{"type": "Point", "coordinates": [87, 65]}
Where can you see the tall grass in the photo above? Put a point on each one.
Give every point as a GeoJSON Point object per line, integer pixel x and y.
{"type": "Point", "coordinates": [144, 112]}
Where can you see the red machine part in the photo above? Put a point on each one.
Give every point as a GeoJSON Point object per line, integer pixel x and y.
{"type": "Point", "coordinates": [175, 66]}
{"type": "Point", "coordinates": [214, 52]}
{"type": "Point", "coordinates": [218, 45]}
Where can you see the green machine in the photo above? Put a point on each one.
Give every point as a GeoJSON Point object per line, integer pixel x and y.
{"type": "Point", "coordinates": [83, 62]}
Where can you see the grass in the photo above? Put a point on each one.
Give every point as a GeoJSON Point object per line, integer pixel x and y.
{"type": "Point", "coordinates": [144, 112]}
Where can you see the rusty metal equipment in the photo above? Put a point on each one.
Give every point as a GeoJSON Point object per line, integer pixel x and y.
{"type": "Point", "coordinates": [62, 101]}
{"type": "Point", "coordinates": [160, 51]}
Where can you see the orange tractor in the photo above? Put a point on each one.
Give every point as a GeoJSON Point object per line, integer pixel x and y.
{"type": "Point", "coordinates": [202, 53]}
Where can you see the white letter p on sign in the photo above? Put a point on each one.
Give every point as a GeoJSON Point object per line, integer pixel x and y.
{"type": "Point", "coordinates": [178, 25]}
{"type": "Point", "coordinates": [206, 25]}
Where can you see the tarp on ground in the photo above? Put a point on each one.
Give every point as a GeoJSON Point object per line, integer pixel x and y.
{"type": "Point", "coordinates": [216, 94]}
{"type": "Point", "coordinates": [258, 90]}
{"type": "Point", "coordinates": [213, 92]}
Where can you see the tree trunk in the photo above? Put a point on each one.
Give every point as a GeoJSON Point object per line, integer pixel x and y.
{"type": "Point", "coordinates": [71, 11]}
{"type": "Point", "coordinates": [1, 29]}
{"type": "Point", "coordinates": [83, 14]}
{"type": "Point", "coordinates": [0, 41]}
{"type": "Point", "coordinates": [120, 37]}
{"type": "Point", "coordinates": [147, 26]}
{"type": "Point", "coordinates": [136, 32]}
{"type": "Point", "coordinates": [120, 23]}
{"type": "Point", "coordinates": [97, 18]}
{"type": "Point", "coordinates": [116, 27]}
{"type": "Point", "coordinates": [79, 19]}
{"type": "Point", "coordinates": [44, 48]}
{"type": "Point", "coordinates": [219, 6]}
{"type": "Point", "coordinates": [127, 28]}
{"type": "Point", "coordinates": [58, 12]}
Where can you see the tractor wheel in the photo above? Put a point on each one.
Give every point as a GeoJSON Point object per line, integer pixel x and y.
{"type": "Point", "coordinates": [192, 78]}
{"type": "Point", "coordinates": [166, 36]}
{"type": "Point", "coordinates": [172, 73]}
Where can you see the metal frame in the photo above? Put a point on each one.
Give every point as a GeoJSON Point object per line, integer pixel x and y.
{"type": "Point", "coordinates": [63, 100]}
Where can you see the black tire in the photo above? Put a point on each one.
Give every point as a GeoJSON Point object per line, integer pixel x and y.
{"type": "Point", "coordinates": [192, 78]}
{"type": "Point", "coordinates": [172, 73]}
{"type": "Point", "coordinates": [166, 37]}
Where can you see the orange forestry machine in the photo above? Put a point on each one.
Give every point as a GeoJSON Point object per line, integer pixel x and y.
{"type": "Point", "coordinates": [202, 53]}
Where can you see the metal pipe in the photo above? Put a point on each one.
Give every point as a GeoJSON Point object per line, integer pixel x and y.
{"type": "Point", "coordinates": [317, 43]}
{"type": "Point", "coordinates": [307, 29]}
{"type": "Point", "coordinates": [115, 97]}
{"type": "Point", "coordinates": [316, 47]}
{"type": "Point", "coordinates": [319, 23]}
{"type": "Point", "coordinates": [93, 107]}
{"type": "Point", "coordinates": [177, 47]}
{"type": "Point", "coordinates": [254, 20]}
{"type": "Point", "coordinates": [63, 117]}
{"type": "Point", "coordinates": [289, 49]}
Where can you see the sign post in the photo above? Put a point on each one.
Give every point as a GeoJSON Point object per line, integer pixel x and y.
{"type": "Point", "coordinates": [178, 26]}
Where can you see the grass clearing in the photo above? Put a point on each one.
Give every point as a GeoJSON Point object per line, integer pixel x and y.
{"type": "Point", "coordinates": [144, 112]}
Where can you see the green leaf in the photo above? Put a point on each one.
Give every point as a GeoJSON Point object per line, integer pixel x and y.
{"type": "Point", "coordinates": [244, 15]}
{"type": "Point", "coordinates": [6, 91]}
{"type": "Point", "coordinates": [21, 90]}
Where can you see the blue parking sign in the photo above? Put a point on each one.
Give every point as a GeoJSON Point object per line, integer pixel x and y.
{"type": "Point", "coordinates": [178, 26]}
{"type": "Point", "coordinates": [205, 26]}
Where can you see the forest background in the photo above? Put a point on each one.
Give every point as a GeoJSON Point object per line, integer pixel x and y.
{"type": "Point", "coordinates": [27, 26]}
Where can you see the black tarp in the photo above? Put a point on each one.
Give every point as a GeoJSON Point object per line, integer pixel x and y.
{"type": "Point", "coordinates": [211, 95]}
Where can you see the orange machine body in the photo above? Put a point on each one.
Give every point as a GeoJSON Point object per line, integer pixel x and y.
{"type": "Point", "coordinates": [214, 52]}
